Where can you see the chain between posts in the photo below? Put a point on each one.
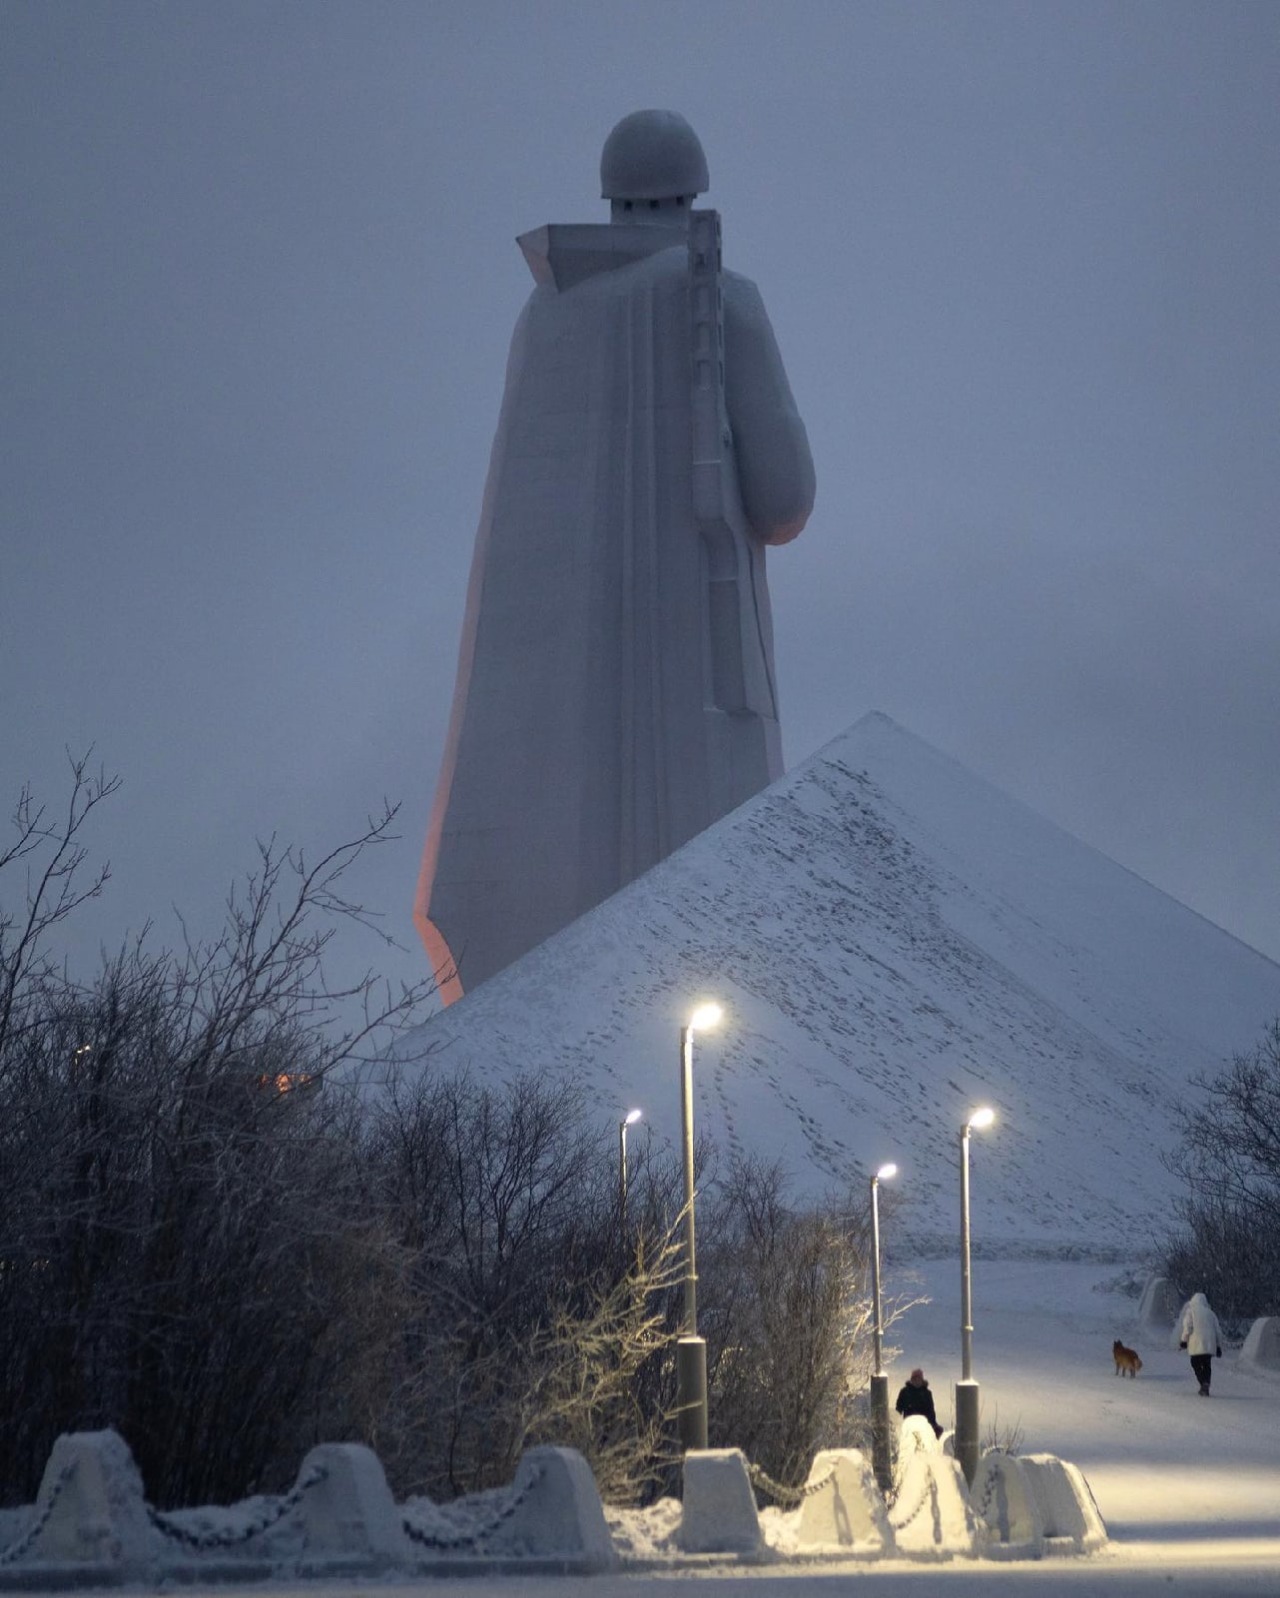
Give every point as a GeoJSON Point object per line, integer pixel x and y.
{"type": "Point", "coordinates": [474, 1534]}
{"type": "Point", "coordinates": [993, 1477]}
{"type": "Point", "coordinates": [229, 1536]}
{"type": "Point", "coordinates": [16, 1550]}
{"type": "Point", "coordinates": [910, 1446]}
{"type": "Point", "coordinates": [782, 1493]}
{"type": "Point", "coordinates": [901, 1522]}
{"type": "Point", "coordinates": [988, 1493]}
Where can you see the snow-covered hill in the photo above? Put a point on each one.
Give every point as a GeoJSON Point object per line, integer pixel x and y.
{"type": "Point", "coordinates": [895, 942]}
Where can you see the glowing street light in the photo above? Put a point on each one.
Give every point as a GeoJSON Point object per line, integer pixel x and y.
{"type": "Point", "coordinates": [629, 1119]}
{"type": "Point", "coordinates": [879, 1381]}
{"type": "Point", "coordinates": [966, 1438]}
{"type": "Point", "coordinates": [691, 1350]}
{"type": "Point", "coordinates": [705, 1017]}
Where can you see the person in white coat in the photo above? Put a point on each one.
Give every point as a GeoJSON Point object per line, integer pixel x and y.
{"type": "Point", "coordinates": [1201, 1336]}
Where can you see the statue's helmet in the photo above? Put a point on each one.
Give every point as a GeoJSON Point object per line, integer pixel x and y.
{"type": "Point", "coordinates": [652, 155]}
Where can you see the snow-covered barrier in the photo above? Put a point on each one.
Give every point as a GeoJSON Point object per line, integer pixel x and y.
{"type": "Point", "coordinates": [558, 1518]}
{"type": "Point", "coordinates": [91, 1523]}
{"type": "Point", "coordinates": [1004, 1500]}
{"type": "Point", "coordinates": [550, 1520]}
{"type": "Point", "coordinates": [321, 1526]}
{"type": "Point", "coordinates": [1072, 1523]}
{"type": "Point", "coordinates": [1261, 1350]}
{"type": "Point", "coordinates": [1159, 1305]}
{"type": "Point", "coordinates": [843, 1506]}
{"type": "Point", "coordinates": [347, 1513]}
{"type": "Point", "coordinates": [719, 1514]}
{"type": "Point", "coordinates": [931, 1516]}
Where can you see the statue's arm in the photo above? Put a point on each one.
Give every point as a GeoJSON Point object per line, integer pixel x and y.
{"type": "Point", "coordinates": [775, 468]}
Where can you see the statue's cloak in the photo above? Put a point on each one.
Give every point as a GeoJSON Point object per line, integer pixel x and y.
{"type": "Point", "coordinates": [615, 690]}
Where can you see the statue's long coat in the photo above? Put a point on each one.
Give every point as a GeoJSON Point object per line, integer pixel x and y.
{"type": "Point", "coordinates": [615, 690]}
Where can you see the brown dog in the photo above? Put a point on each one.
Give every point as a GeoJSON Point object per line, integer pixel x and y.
{"type": "Point", "coordinates": [1127, 1361]}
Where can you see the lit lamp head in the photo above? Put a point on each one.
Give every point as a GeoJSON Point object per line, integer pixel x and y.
{"type": "Point", "coordinates": [980, 1118]}
{"type": "Point", "coordinates": [631, 1117]}
{"type": "Point", "coordinates": [705, 1017]}
{"type": "Point", "coordinates": [885, 1172]}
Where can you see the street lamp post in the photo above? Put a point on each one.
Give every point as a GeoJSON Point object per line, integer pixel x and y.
{"type": "Point", "coordinates": [966, 1438]}
{"type": "Point", "coordinates": [630, 1119]}
{"type": "Point", "coordinates": [691, 1350]}
{"type": "Point", "coordinates": [880, 1462]}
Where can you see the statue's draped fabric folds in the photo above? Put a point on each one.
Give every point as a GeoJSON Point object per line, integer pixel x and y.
{"type": "Point", "coordinates": [615, 691]}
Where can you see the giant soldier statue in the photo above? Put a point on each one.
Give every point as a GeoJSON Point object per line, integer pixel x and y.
{"type": "Point", "coordinates": [615, 690]}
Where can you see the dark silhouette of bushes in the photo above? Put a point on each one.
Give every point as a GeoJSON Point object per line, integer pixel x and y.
{"type": "Point", "coordinates": [1229, 1161]}
{"type": "Point", "coordinates": [218, 1238]}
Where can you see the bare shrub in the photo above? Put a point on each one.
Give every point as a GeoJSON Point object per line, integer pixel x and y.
{"type": "Point", "coordinates": [1229, 1161]}
{"type": "Point", "coordinates": [182, 1230]}
{"type": "Point", "coordinates": [787, 1315]}
{"type": "Point", "coordinates": [533, 1319]}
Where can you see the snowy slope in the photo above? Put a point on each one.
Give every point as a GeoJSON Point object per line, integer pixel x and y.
{"type": "Point", "coordinates": [895, 941]}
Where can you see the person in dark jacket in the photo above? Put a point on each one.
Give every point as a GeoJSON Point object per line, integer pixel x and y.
{"type": "Point", "coordinates": [916, 1399]}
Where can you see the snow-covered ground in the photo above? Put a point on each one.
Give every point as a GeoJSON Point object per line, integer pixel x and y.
{"type": "Point", "coordinates": [1189, 1487]}
{"type": "Point", "coordinates": [894, 942]}
{"type": "Point", "coordinates": [1167, 1467]}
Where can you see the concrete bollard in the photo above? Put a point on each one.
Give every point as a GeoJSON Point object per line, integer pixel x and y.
{"type": "Point", "coordinates": [95, 1511]}
{"type": "Point", "coordinates": [719, 1514]}
{"type": "Point", "coordinates": [1261, 1350]}
{"type": "Point", "coordinates": [931, 1516]}
{"type": "Point", "coordinates": [847, 1510]}
{"type": "Point", "coordinates": [916, 1437]}
{"type": "Point", "coordinates": [349, 1514]}
{"type": "Point", "coordinates": [558, 1514]}
{"type": "Point", "coordinates": [1159, 1305]}
{"type": "Point", "coordinates": [1070, 1516]}
{"type": "Point", "coordinates": [1002, 1498]}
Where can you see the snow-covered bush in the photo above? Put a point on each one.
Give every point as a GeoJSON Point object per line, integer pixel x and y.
{"type": "Point", "coordinates": [784, 1302]}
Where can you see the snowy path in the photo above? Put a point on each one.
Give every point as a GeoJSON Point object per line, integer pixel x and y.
{"type": "Point", "coordinates": [1164, 1464]}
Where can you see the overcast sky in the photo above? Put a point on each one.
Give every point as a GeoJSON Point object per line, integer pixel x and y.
{"type": "Point", "coordinates": [257, 281]}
